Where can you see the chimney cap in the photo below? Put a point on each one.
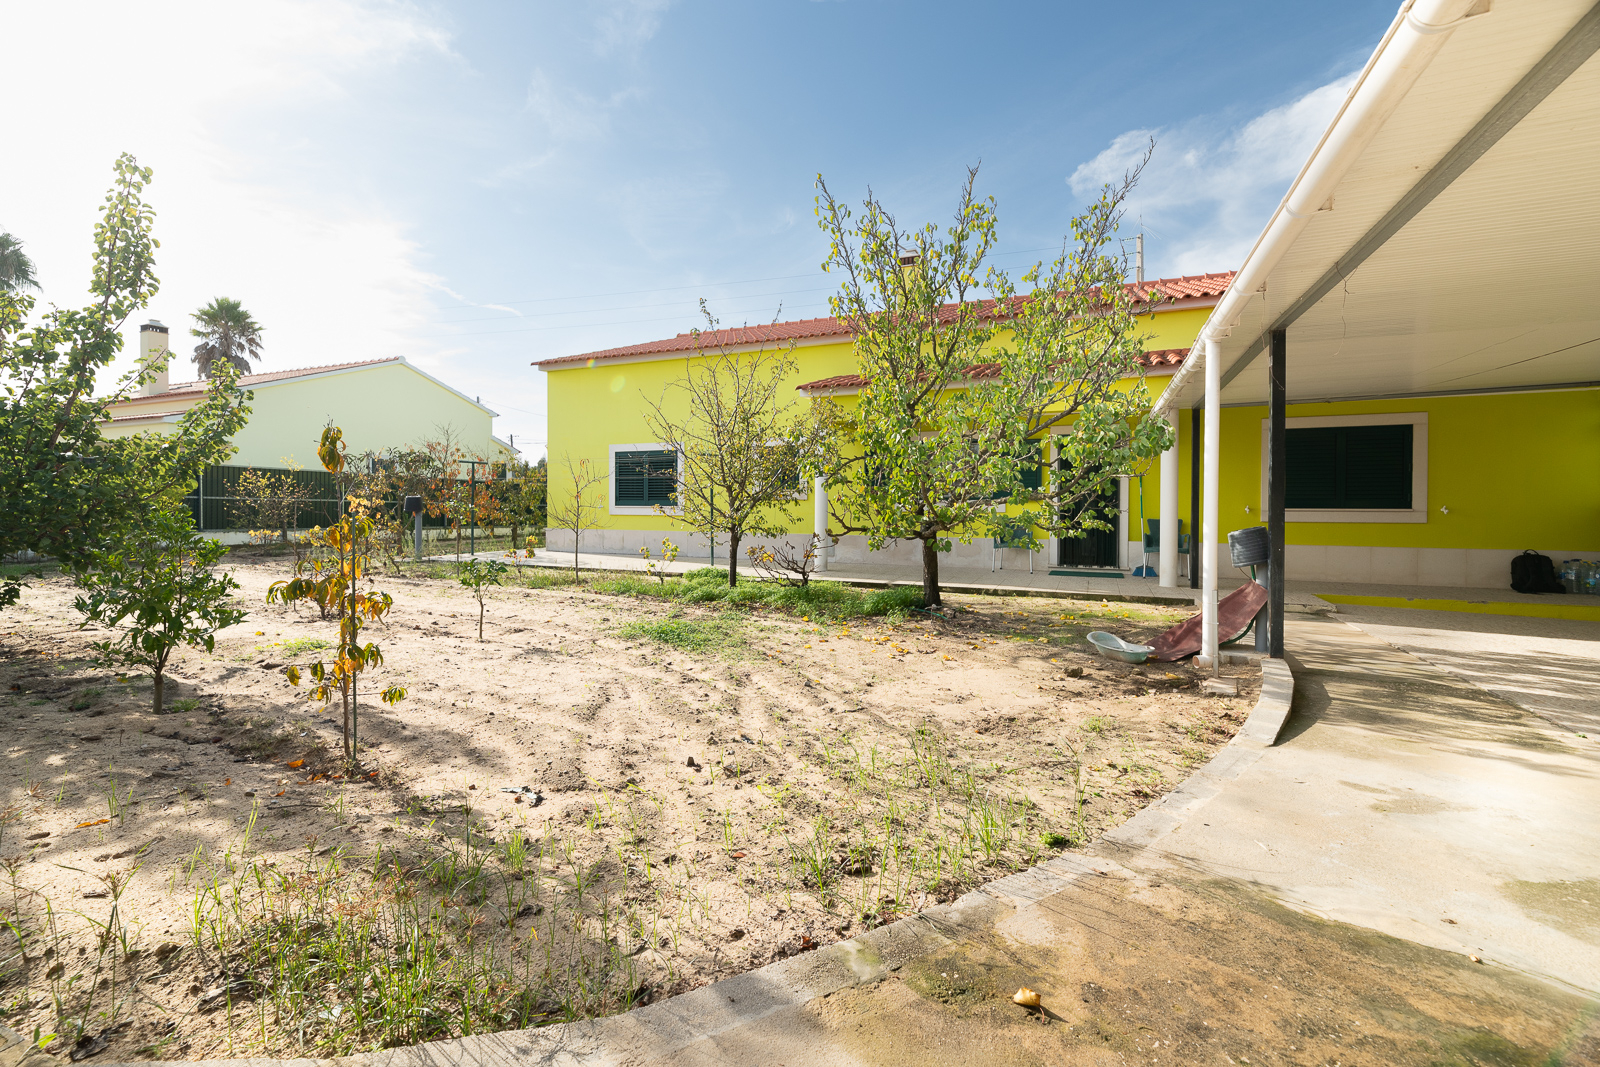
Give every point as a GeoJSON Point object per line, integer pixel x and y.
{"type": "Point", "coordinates": [153, 325]}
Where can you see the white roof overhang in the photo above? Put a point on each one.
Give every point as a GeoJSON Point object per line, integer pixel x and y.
{"type": "Point", "coordinates": [1450, 246]}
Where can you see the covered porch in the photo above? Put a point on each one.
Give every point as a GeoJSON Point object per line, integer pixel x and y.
{"type": "Point", "coordinates": [1436, 252]}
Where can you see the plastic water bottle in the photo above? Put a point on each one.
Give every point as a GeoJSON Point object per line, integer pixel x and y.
{"type": "Point", "coordinates": [1569, 574]}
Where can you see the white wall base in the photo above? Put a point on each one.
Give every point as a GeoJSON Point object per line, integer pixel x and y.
{"type": "Point", "coordinates": [851, 549]}
{"type": "Point", "coordinates": [1464, 568]}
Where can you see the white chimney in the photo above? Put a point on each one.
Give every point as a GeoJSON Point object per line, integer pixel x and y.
{"type": "Point", "coordinates": [153, 351]}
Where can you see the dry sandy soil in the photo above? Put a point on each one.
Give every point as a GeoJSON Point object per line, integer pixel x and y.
{"type": "Point", "coordinates": [689, 812]}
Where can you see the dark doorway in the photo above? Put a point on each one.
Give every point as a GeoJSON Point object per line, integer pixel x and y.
{"type": "Point", "coordinates": [1096, 548]}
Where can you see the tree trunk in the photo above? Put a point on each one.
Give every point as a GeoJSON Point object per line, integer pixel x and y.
{"type": "Point", "coordinates": [344, 700]}
{"type": "Point", "coordinates": [930, 573]}
{"type": "Point", "coordinates": [480, 614]}
{"type": "Point", "coordinates": [161, 688]}
{"type": "Point", "coordinates": [733, 558]}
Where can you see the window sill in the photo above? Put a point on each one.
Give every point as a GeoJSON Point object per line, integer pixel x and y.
{"type": "Point", "coordinates": [1343, 515]}
{"type": "Point", "coordinates": [624, 509]}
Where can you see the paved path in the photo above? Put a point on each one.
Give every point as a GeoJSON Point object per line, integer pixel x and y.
{"type": "Point", "coordinates": [1550, 667]}
{"type": "Point", "coordinates": [1404, 799]}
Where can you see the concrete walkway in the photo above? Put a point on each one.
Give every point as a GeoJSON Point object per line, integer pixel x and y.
{"type": "Point", "coordinates": [1404, 799]}
{"type": "Point", "coordinates": [1550, 667]}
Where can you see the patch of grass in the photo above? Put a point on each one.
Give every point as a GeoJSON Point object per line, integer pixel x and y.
{"type": "Point", "coordinates": [297, 646]}
{"type": "Point", "coordinates": [183, 705]}
{"type": "Point", "coordinates": [694, 635]}
{"type": "Point", "coordinates": [1095, 724]}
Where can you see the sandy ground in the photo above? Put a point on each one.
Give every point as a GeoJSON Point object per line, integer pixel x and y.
{"type": "Point", "coordinates": [789, 782]}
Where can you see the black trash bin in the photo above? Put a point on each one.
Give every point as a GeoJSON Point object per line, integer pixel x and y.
{"type": "Point", "coordinates": [1250, 546]}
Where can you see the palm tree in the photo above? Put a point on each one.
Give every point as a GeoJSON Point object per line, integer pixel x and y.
{"type": "Point", "coordinates": [16, 269]}
{"type": "Point", "coordinates": [228, 334]}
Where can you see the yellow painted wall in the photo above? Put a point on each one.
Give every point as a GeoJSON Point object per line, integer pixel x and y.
{"type": "Point", "coordinates": [592, 408]}
{"type": "Point", "coordinates": [1516, 470]}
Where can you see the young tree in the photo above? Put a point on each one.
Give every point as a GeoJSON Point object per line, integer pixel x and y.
{"type": "Point", "coordinates": [478, 575]}
{"type": "Point", "coordinates": [959, 389]}
{"type": "Point", "coordinates": [585, 509]}
{"type": "Point", "coordinates": [228, 335]}
{"type": "Point", "coordinates": [739, 445]}
{"type": "Point", "coordinates": [157, 591]}
{"type": "Point", "coordinates": [267, 501]}
{"type": "Point", "coordinates": [344, 591]}
{"type": "Point", "coordinates": [16, 269]}
{"type": "Point", "coordinates": [69, 492]}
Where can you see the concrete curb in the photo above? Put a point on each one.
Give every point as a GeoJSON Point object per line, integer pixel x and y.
{"type": "Point", "coordinates": [660, 1030]}
{"type": "Point", "coordinates": [1259, 733]}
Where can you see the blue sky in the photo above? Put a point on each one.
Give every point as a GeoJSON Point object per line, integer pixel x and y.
{"type": "Point", "coordinates": [476, 186]}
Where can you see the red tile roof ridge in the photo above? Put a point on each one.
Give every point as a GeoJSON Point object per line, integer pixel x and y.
{"type": "Point", "coordinates": [247, 380]}
{"type": "Point", "coordinates": [1183, 287]}
{"type": "Point", "coordinates": [1163, 357]}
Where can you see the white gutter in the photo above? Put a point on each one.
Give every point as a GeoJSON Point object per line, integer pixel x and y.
{"type": "Point", "coordinates": [1418, 33]}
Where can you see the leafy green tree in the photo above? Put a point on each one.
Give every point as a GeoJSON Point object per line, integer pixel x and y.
{"type": "Point", "coordinates": [739, 444]}
{"type": "Point", "coordinates": [477, 575]}
{"type": "Point", "coordinates": [523, 497]}
{"type": "Point", "coordinates": [68, 490]}
{"type": "Point", "coordinates": [16, 269]}
{"type": "Point", "coordinates": [156, 590]}
{"type": "Point", "coordinates": [229, 336]}
{"type": "Point", "coordinates": [343, 591]}
{"type": "Point", "coordinates": [963, 380]}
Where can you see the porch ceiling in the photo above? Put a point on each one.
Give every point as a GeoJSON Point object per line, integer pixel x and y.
{"type": "Point", "coordinates": [1493, 283]}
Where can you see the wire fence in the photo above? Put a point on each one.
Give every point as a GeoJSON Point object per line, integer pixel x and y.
{"type": "Point", "coordinates": [217, 506]}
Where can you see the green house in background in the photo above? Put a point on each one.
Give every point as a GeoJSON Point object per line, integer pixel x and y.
{"type": "Point", "coordinates": [380, 404]}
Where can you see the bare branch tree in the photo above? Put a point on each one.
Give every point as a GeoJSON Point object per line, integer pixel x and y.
{"type": "Point", "coordinates": [740, 444]}
{"type": "Point", "coordinates": [584, 509]}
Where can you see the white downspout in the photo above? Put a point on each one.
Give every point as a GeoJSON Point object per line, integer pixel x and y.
{"type": "Point", "coordinates": [1208, 513]}
{"type": "Point", "coordinates": [1167, 565]}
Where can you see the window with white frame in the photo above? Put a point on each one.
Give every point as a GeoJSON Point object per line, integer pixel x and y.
{"type": "Point", "coordinates": [1353, 468]}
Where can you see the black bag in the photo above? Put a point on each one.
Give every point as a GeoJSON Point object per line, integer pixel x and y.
{"type": "Point", "coordinates": [1534, 573]}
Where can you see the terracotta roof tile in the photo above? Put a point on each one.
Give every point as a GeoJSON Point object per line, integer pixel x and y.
{"type": "Point", "coordinates": [1165, 357]}
{"type": "Point", "coordinates": [1186, 287]}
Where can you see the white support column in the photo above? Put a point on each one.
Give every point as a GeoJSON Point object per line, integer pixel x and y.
{"type": "Point", "coordinates": [1208, 518]}
{"type": "Point", "coordinates": [819, 521]}
{"type": "Point", "coordinates": [1167, 565]}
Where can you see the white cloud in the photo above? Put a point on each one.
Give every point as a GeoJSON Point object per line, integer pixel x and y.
{"type": "Point", "coordinates": [1207, 192]}
{"type": "Point", "coordinates": [626, 25]}
{"type": "Point", "coordinates": [218, 99]}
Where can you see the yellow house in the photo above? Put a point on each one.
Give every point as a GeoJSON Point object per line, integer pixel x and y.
{"type": "Point", "coordinates": [380, 404]}
{"type": "Point", "coordinates": [598, 402]}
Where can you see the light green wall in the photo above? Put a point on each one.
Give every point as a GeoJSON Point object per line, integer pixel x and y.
{"type": "Point", "coordinates": [388, 406]}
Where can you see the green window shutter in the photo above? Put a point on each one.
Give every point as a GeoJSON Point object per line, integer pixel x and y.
{"type": "Point", "coordinates": [1349, 467]}
{"type": "Point", "coordinates": [1033, 467]}
{"type": "Point", "coordinates": [645, 479]}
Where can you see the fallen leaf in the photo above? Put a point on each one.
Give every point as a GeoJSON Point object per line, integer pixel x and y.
{"type": "Point", "coordinates": [280, 792]}
{"type": "Point", "coordinates": [297, 763]}
{"type": "Point", "coordinates": [1026, 997]}
{"type": "Point", "coordinates": [227, 781]}
{"type": "Point", "coordinates": [91, 822]}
